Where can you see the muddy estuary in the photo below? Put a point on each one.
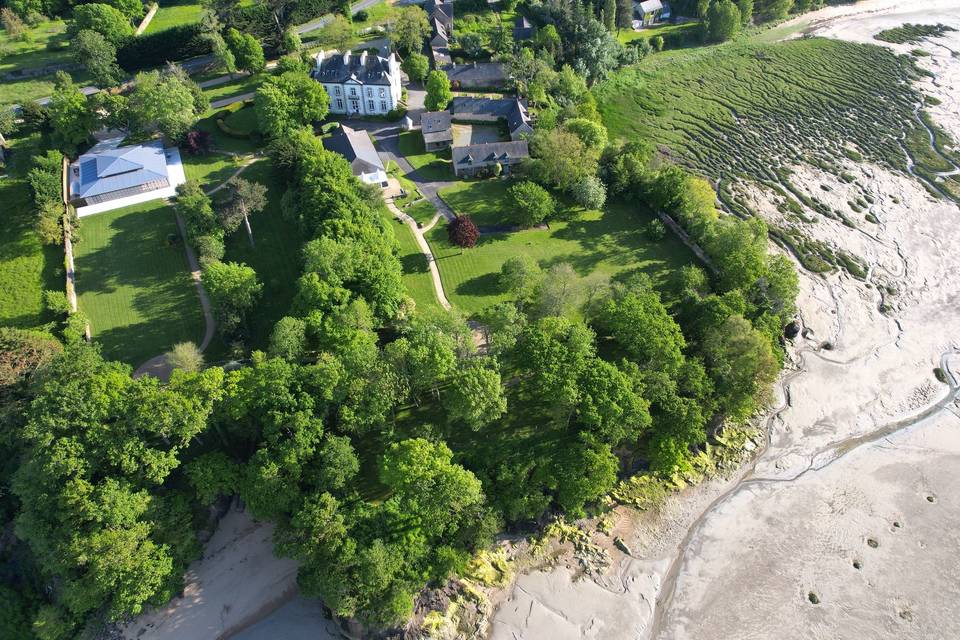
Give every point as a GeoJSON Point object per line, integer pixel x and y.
{"type": "Point", "coordinates": [846, 525]}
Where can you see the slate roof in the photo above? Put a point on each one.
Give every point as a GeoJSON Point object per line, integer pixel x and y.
{"type": "Point", "coordinates": [436, 126]}
{"type": "Point", "coordinates": [649, 6]}
{"type": "Point", "coordinates": [478, 155]}
{"type": "Point", "coordinates": [109, 170]}
{"type": "Point", "coordinates": [522, 28]}
{"type": "Point", "coordinates": [513, 111]}
{"type": "Point", "coordinates": [374, 70]}
{"type": "Point", "coordinates": [356, 147]}
{"type": "Point", "coordinates": [478, 74]}
{"type": "Point", "coordinates": [442, 11]}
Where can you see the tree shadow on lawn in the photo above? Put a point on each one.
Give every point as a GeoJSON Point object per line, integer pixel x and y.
{"type": "Point", "coordinates": [486, 285]}
{"type": "Point", "coordinates": [414, 263]}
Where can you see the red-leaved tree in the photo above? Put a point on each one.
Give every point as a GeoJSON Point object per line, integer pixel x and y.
{"type": "Point", "coordinates": [197, 143]}
{"type": "Point", "coordinates": [463, 232]}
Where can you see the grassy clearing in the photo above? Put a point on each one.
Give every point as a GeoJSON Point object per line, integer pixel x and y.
{"type": "Point", "coordinates": [416, 272]}
{"type": "Point", "coordinates": [134, 282]}
{"type": "Point", "coordinates": [912, 33]}
{"type": "Point", "coordinates": [244, 120]}
{"type": "Point", "coordinates": [223, 142]}
{"type": "Point", "coordinates": [27, 268]}
{"type": "Point", "coordinates": [486, 201]}
{"type": "Point", "coordinates": [428, 165]}
{"type": "Point", "coordinates": [173, 13]}
{"type": "Point", "coordinates": [598, 245]}
{"type": "Point", "coordinates": [275, 256]}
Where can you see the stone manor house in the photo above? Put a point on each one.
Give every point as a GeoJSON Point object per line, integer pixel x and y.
{"type": "Point", "coordinates": [363, 84]}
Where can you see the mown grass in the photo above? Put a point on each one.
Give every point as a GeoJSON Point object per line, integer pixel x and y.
{"type": "Point", "coordinates": [134, 283]}
{"type": "Point", "coordinates": [422, 211]}
{"type": "Point", "coordinates": [599, 245]}
{"type": "Point", "coordinates": [416, 272]}
{"type": "Point", "coordinates": [173, 13]}
{"type": "Point", "coordinates": [428, 165]}
{"type": "Point", "coordinates": [209, 170]}
{"type": "Point", "coordinates": [275, 256]}
{"type": "Point", "coordinates": [239, 86]}
{"type": "Point", "coordinates": [27, 267]}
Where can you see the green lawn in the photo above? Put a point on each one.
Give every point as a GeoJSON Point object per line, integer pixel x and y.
{"type": "Point", "coordinates": [422, 211]}
{"type": "Point", "coordinates": [27, 268]}
{"type": "Point", "coordinates": [222, 141]}
{"type": "Point", "coordinates": [486, 201]}
{"type": "Point", "coordinates": [134, 284]}
{"type": "Point", "coordinates": [629, 35]}
{"type": "Point", "coordinates": [429, 166]}
{"type": "Point", "coordinates": [244, 120]}
{"type": "Point", "coordinates": [210, 170]}
{"type": "Point", "coordinates": [173, 13]}
{"type": "Point", "coordinates": [598, 245]}
{"type": "Point", "coordinates": [416, 273]}
{"type": "Point", "coordinates": [236, 87]}
{"type": "Point", "coordinates": [275, 256]}
{"type": "Point", "coordinates": [46, 44]}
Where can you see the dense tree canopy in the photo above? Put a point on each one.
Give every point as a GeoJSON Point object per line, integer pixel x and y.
{"type": "Point", "coordinates": [288, 101]}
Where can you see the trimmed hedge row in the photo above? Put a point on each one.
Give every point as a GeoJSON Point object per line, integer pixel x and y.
{"type": "Point", "coordinates": [156, 49]}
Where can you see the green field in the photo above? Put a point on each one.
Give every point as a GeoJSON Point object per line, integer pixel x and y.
{"type": "Point", "coordinates": [416, 274]}
{"type": "Point", "coordinates": [173, 13]}
{"type": "Point", "coordinates": [134, 284]}
{"type": "Point", "coordinates": [422, 211]}
{"type": "Point", "coordinates": [598, 245]}
{"type": "Point", "coordinates": [242, 84]}
{"type": "Point", "coordinates": [275, 256]}
{"type": "Point", "coordinates": [429, 166]}
{"type": "Point", "coordinates": [27, 268]}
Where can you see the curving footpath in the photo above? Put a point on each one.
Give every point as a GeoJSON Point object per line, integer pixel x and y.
{"type": "Point", "coordinates": [424, 249]}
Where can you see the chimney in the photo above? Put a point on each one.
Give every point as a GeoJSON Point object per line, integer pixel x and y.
{"type": "Point", "coordinates": [319, 58]}
{"type": "Point", "coordinates": [363, 58]}
{"type": "Point", "coordinates": [346, 59]}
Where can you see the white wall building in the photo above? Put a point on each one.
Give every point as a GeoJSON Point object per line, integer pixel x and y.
{"type": "Point", "coordinates": [361, 84]}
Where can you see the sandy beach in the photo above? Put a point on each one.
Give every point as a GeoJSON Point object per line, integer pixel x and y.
{"type": "Point", "coordinates": [846, 525]}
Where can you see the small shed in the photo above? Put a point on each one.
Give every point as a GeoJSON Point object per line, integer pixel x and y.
{"type": "Point", "coordinates": [649, 11]}
{"type": "Point", "coordinates": [406, 123]}
{"type": "Point", "coordinates": [522, 29]}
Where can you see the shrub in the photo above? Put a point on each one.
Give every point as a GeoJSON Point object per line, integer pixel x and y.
{"type": "Point", "coordinates": [463, 232]}
{"type": "Point", "coordinates": [655, 230]}
{"type": "Point", "coordinates": [210, 249]}
{"type": "Point", "coordinates": [197, 143]}
{"type": "Point", "coordinates": [361, 16]}
{"type": "Point", "coordinates": [534, 204]}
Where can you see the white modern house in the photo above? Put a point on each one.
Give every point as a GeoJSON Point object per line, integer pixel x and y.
{"type": "Point", "coordinates": [363, 84]}
{"type": "Point", "coordinates": [110, 176]}
{"type": "Point", "coordinates": [357, 148]}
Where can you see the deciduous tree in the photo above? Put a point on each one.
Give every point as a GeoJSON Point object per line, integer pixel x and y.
{"type": "Point", "coordinates": [243, 198]}
{"type": "Point", "coordinates": [416, 66]}
{"type": "Point", "coordinates": [439, 94]}
{"type": "Point", "coordinates": [102, 18]}
{"type": "Point", "coordinates": [233, 289]}
{"type": "Point", "coordinates": [247, 52]}
{"type": "Point", "coordinates": [70, 117]}
{"type": "Point", "coordinates": [462, 232]}
{"type": "Point", "coordinates": [288, 101]}
{"type": "Point", "coordinates": [475, 395]}
{"type": "Point", "coordinates": [410, 29]}
{"type": "Point", "coordinates": [533, 203]}
{"type": "Point", "coordinates": [99, 56]}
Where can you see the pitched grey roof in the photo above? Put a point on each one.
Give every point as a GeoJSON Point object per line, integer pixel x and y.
{"type": "Point", "coordinates": [478, 74]}
{"type": "Point", "coordinates": [522, 28]}
{"type": "Point", "coordinates": [513, 111]}
{"type": "Point", "coordinates": [109, 170]}
{"type": "Point", "coordinates": [442, 11]}
{"type": "Point", "coordinates": [649, 6]}
{"type": "Point", "coordinates": [434, 121]}
{"type": "Point", "coordinates": [339, 68]}
{"type": "Point", "coordinates": [356, 147]}
{"type": "Point", "coordinates": [478, 155]}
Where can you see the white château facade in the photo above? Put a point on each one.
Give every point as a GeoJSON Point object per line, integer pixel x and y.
{"type": "Point", "coordinates": [361, 84]}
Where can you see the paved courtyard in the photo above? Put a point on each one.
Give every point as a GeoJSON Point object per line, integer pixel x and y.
{"type": "Point", "coordinates": [467, 134]}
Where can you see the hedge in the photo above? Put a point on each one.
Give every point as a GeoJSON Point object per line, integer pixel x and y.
{"type": "Point", "coordinates": [156, 49]}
